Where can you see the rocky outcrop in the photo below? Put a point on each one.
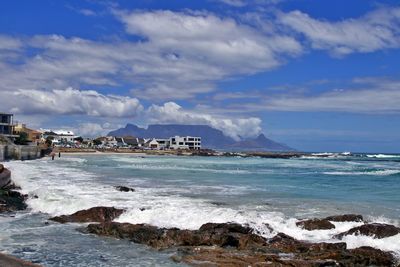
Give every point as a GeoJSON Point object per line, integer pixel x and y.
{"type": "Point", "coordinates": [377, 230]}
{"type": "Point", "coordinates": [326, 223]}
{"type": "Point", "coordinates": [5, 176]}
{"type": "Point", "coordinates": [96, 214]}
{"type": "Point", "coordinates": [124, 189]}
{"type": "Point", "coordinates": [345, 218]}
{"type": "Point", "coordinates": [12, 201]}
{"type": "Point", "coordinates": [316, 224]}
{"type": "Point", "coordinates": [223, 235]}
{"type": "Point", "coordinates": [236, 245]}
{"type": "Point", "coordinates": [232, 244]}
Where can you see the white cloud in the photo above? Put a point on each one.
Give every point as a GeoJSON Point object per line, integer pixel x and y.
{"type": "Point", "coordinates": [361, 95]}
{"type": "Point", "coordinates": [69, 102]}
{"type": "Point", "coordinates": [377, 30]}
{"type": "Point", "coordinates": [90, 129]}
{"type": "Point", "coordinates": [236, 3]}
{"type": "Point", "coordinates": [171, 112]}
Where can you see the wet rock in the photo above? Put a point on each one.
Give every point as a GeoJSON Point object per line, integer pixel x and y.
{"type": "Point", "coordinates": [96, 214]}
{"type": "Point", "coordinates": [12, 201]}
{"type": "Point", "coordinates": [224, 235]}
{"type": "Point", "coordinates": [346, 218]}
{"type": "Point", "coordinates": [231, 244]}
{"type": "Point", "coordinates": [316, 224]}
{"type": "Point", "coordinates": [378, 230]}
{"type": "Point", "coordinates": [124, 189]}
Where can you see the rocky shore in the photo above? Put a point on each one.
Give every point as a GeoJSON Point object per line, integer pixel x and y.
{"type": "Point", "coordinates": [232, 244]}
{"type": "Point", "coordinates": [11, 201]}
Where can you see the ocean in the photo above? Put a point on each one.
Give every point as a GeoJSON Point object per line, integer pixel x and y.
{"type": "Point", "coordinates": [186, 192]}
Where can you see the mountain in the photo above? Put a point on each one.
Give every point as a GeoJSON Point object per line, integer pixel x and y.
{"type": "Point", "coordinates": [211, 138]}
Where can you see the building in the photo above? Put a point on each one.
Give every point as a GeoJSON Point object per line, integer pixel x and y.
{"type": "Point", "coordinates": [7, 125]}
{"type": "Point", "coordinates": [134, 142]}
{"type": "Point", "coordinates": [163, 143]}
{"type": "Point", "coordinates": [186, 142]}
{"type": "Point", "coordinates": [58, 137]}
{"type": "Point", "coordinates": [152, 144]}
{"type": "Point", "coordinates": [32, 135]}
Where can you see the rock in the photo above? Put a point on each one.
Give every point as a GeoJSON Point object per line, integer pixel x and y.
{"type": "Point", "coordinates": [124, 189]}
{"type": "Point", "coordinates": [345, 218]}
{"type": "Point", "coordinates": [378, 230]}
{"type": "Point", "coordinates": [316, 224]}
{"type": "Point", "coordinates": [224, 235]}
{"type": "Point", "coordinates": [231, 244]}
{"type": "Point", "coordinates": [12, 201]}
{"type": "Point", "coordinates": [96, 214]}
{"type": "Point", "coordinates": [5, 177]}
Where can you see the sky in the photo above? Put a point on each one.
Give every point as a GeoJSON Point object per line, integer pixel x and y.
{"type": "Point", "coordinates": [315, 75]}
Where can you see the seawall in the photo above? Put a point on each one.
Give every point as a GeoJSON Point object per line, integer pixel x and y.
{"type": "Point", "coordinates": [9, 152]}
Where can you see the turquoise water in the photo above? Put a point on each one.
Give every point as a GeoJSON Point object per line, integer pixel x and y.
{"type": "Point", "coordinates": [186, 192]}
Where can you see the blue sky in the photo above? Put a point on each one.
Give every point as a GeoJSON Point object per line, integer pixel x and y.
{"type": "Point", "coordinates": [316, 75]}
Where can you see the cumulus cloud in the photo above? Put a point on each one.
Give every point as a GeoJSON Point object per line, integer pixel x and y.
{"type": "Point", "coordinates": [91, 129]}
{"type": "Point", "coordinates": [361, 95]}
{"type": "Point", "coordinates": [379, 29]}
{"type": "Point", "coordinates": [70, 102]}
{"type": "Point", "coordinates": [236, 128]}
{"type": "Point", "coordinates": [180, 54]}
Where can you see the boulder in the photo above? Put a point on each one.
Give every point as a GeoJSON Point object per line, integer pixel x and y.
{"type": "Point", "coordinates": [12, 201]}
{"type": "Point", "coordinates": [377, 230]}
{"type": "Point", "coordinates": [96, 214]}
{"type": "Point", "coordinates": [124, 189]}
{"type": "Point", "coordinates": [315, 224]}
{"type": "Point", "coordinates": [345, 218]}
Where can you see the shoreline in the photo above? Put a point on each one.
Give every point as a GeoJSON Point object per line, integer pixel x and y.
{"type": "Point", "coordinates": [11, 202]}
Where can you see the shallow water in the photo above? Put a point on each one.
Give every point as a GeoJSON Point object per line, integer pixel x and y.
{"type": "Point", "coordinates": [186, 192]}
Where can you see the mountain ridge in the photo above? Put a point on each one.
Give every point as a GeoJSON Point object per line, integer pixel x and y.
{"type": "Point", "coordinates": [211, 137]}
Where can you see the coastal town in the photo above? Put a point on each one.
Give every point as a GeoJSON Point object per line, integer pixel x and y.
{"type": "Point", "coordinates": [12, 132]}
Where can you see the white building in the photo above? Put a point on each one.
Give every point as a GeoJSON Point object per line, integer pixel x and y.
{"type": "Point", "coordinates": [186, 142]}
{"type": "Point", "coordinates": [152, 144]}
{"type": "Point", "coordinates": [64, 136]}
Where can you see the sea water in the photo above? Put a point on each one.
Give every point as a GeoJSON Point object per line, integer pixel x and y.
{"type": "Point", "coordinates": [186, 192]}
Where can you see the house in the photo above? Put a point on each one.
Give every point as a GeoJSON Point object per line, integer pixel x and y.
{"type": "Point", "coordinates": [134, 142]}
{"type": "Point", "coordinates": [65, 136]}
{"type": "Point", "coordinates": [152, 144]}
{"type": "Point", "coordinates": [163, 143]}
{"type": "Point", "coordinates": [120, 142]}
{"type": "Point", "coordinates": [7, 125]}
{"type": "Point", "coordinates": [33, 135]}
{"type": "Point", "coordinates": [186, 142]}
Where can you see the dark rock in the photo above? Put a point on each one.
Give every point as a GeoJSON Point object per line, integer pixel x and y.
{"type": "Point", "coordinates": [142, 209]}
{"type": "Point", "coordinates": [96, 214]}
{"type": "Point", "coordinates": [124, 189]}
{"type": "Point", "coordinates": [12, 201]}
{"type": "Point", "coordinates": [223, 235]}
{"type": "Point", "coordinates": [231, 244]}
{"type": "Point", "coordinates": [345, 218]}
{"type": "Point", "coordinates": [316, 224]}
{"type": "Point", "coordinates": [378, 230]}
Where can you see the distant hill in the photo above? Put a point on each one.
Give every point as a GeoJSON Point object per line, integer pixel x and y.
{"type": "Point", "coordinates": [211, 138]}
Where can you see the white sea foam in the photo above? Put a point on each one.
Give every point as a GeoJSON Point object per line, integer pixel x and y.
{"type": "Point", "coordinates": [64, 190]}
{"type": "Point", "coordinates": [374, 173]}
{"type": "Point", "coordinates": [382, 156]}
